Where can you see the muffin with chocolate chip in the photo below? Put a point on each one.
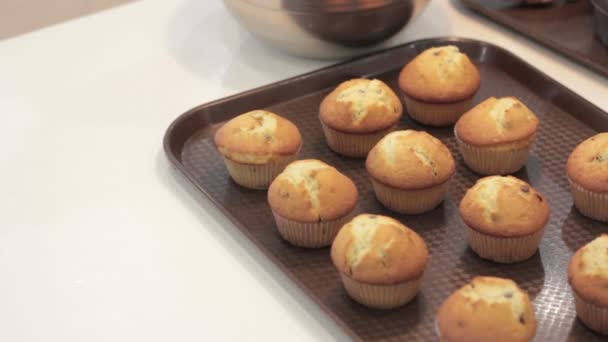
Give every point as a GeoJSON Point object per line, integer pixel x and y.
{"type": "Point", "coordinates": [357, 114]}
{"type": "Point", "coordinates": [310, 202]}
{"type": "Point", "coordinates": [505, 218]}
{"type": "Point", "coordinates": [588, 276]}
{"type": "Point", "coordinates": [410, 171]}
{"type": "Point", "coordinates": [381, 261]}
{"type": "Point", "coordinates": [487, 309]}
{"type": "Point", "coordinates": [438, 85]}
{"type": "Point", "coordinates": [256, 147]}
{"type": "Point", "coordinates": [495, 136]}
{"type": "Point", "coordinates": [587, 170]}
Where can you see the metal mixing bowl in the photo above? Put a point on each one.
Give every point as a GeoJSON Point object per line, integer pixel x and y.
{"type": "Point", "coordinates": [327, 29]}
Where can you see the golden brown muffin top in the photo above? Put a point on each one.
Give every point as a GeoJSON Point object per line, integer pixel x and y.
{"type": "Point", "coordinates": [440, 74]}
{"type": "Point", "coordinates": [588, 163]}
{"type": "Point", "coordinates": [377, 249]}
{"type": "Point", "coordinates": [588, 271]}
{"type": "Point", "coordinates": [410, 160]}
{"type": "Point", "coordinates": [312, 191]}
{"type": "Point", "coordinates": [257, 137]}
{"type": "Point", "coordinates": [487, 309]}
{"type": "Point", "coordinates": [504, 206]}
{"type": "Point", "coordinates": [497, 121]}
{"type": "Point", "coordinates": [361, 106]}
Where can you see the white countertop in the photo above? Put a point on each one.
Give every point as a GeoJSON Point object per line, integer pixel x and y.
{"type": "Point", "coordinates": [100, 240]}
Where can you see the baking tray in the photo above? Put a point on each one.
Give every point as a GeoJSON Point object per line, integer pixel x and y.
{"type": "Point", "coordinates": [566, 119]}
{"type": "Point", "coordinates": [567, 29]}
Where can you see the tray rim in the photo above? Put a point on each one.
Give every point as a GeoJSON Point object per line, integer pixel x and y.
{"type": "Point", "coordinates": [177, 163]}
{"type": "Point", "coordinates": [513, 25]}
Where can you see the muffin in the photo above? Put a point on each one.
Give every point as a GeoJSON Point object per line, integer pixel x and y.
{"type": "Point", "coordinates": [380, 260]}
{"type": "Point", "coordinates": [588, 276]}
{"type": "Point", "coordinates": [495, 136]}
{"type": "Point", "coordinates": [438, 85]}
{"type": "Point", "coordinates": [410, 171]}
{"type": "Point", "coordinates": [487, 309]}
{"type": "Point", "coordinates": [256, 147]}
{"type": "Point", "coordinates": [587, 169]}
{"type": "Point", "coordinates": [505, 218]}
{"type": "Point", "coordinates": [357, 114]}
{"type": "Point", "coordinates": [311, 201]}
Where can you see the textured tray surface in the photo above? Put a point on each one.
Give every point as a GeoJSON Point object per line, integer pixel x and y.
{"type": "Point", "coordinates": [565, 118]}
{"type": "Point", "coordinates": [567, 29]}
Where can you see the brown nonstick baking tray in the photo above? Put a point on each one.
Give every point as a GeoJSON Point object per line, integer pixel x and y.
{"type": "Point", "coordinates": [566, 28]}
{"type": "Point", "coordinates": [566, 119]}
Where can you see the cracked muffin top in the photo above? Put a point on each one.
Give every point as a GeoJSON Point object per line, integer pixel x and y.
{"type": "Point", "coordinates": [440, 75]}
{"type": "Point", "coordinates": [487, 309]}
{"type": "Point", "coordinates": [588, 164]}
{"type": "Point", "coordinates": [410, 160]}
{"type": "Point", "coordinates": [377, 249]}
{"type": "Point", "coordinates": [312, 191]}
{"type": "Point", "coordinates": [497, 121]}
{"type": "Point", "coordinates": [361, 106]}
{"type": "Point", "coordinates": [504, 206]}
{"type": "Point", "coordinates": [257, 137]}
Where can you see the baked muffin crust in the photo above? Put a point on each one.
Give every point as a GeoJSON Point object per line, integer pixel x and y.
{"type": "Point", "coordinates": [361, 106]}
{"type": "Point", "coordinates": [487, 309]}
{"type": "Point", "coordinates": [504, 206]}
{"type": "Point", "coordinates": [377, 249]}
{"type": "Point", "coordinates": [588, 164]}
{"type": "Point", "coordinates": [440, 75]}
{"type": "Point", "coordinates": [497, 121]}
{"type": "Point", "coordinates": [257, 137]}
{"type": "Point", "coordinates": [410, 160]}
{"type": "Point", "coordinates": [312, 191]}
{"type": "Point", "coordinates": [588, 271]}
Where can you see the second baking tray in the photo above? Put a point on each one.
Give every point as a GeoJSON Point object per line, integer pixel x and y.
{"type": "Point", "coordinates": [566, 28]}
{"type": "Point", "coordinates": [566, 119]}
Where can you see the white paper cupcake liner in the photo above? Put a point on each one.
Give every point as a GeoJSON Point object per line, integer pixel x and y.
{"type": "Point", "coordinates": [311, 235]}
{"type": "Point", "coordinates": [410, 201]}
{"type": "Point", "coordinates": [381, 296]}
{"type": "Point", "coordinates": [436, 114]}
{"type": "Point", "coordinates": [593, 316]}
{"type": "Point", "coordinates": [257, 176]}
{"type": "Point", "coordinates": [353, 144]}
{"type": "Point", "coordinates": [504, 249]}
{"type": "Point", "coordinates": [494, 160]}
{"type": "Point", "coordinates": [589, 203]}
